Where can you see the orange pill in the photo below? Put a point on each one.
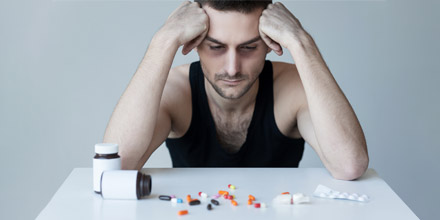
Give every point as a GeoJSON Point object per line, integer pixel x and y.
{"type": "Point", "coordinates": [251, 197]}
{"type": "Point", "coordinates": [250, 202]}
{"type": "Point", "coordinates": [188, 198]}
{"type": "Point", "coordinates": [285, 193]}
{"type": "Point", "coordinates": [221, 192]}
{"type": "Point", "coordinates": [182, 212]}
{"type": "Point", "coordinates": [234, 203]}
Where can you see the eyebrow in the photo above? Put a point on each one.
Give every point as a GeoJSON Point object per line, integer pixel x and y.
{"type": "Point", "coordinates": [255, 39]}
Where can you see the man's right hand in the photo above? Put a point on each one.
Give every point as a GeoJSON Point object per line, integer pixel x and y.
{"type": "Point", "coordinates": [187, 25]}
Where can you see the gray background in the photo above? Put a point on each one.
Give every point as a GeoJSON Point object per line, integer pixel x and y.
{"type": "Point", "coordinates": [64, 65]}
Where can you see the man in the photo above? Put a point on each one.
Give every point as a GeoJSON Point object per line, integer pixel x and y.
{"type": "Point", "coordinates": [233, 108]}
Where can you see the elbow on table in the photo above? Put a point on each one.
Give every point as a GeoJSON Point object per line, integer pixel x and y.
{"type": "Point", "coordinates": [352, 171]}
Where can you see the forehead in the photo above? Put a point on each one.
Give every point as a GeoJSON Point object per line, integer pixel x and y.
{"type": "Point", "coordinates": [233, 27]}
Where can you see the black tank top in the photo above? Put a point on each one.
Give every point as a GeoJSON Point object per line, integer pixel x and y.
{"type": "Point", "coordinates": [265, 145]}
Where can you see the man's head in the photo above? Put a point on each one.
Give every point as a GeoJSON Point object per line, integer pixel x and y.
{"type": "Point", "coordinates": [232, 54]}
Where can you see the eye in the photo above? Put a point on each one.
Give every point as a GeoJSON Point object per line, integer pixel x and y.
{"type": "Point", "coordinates": [216, 47]}
{"type": "Point", "coordinates": [248, 48]}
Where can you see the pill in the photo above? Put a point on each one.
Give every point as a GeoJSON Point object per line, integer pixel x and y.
{"type": "Point", "coordinates": [230, 197]}
{"type": "Point", "coordinates": [215, 196]}
{"type": "Point", "coordinates": [257, 205]}
{"type": "Point", "coordinates": [204, 195]}
{"type": "Point", "coordinates": [173, 196]}
{"type": "Point", "coordinates": [163, 197]}
{"type": "Point", "coordinates": [252, 197]}
{"type": "Point", "coordinates": [263, 205]}
{"type": "Point", "coordinates": [194, 202]}
{"type": "Point", "coordinates": [209, 207]}
{"type": "Point", "coordinates": [284, 193]}
{"type": "Point", "coordinates": [200, 193]}
{"type": "Point", "coordinates": [231, 186]}
{"type": "Point", "coordinates": [179, 201]}
{"type": "Point", "coordinates": [188, 198]}
{"type": "Point", "coordinates": [173, 200]}
{"type": "Point", "coordinates": [182, 212]}
{"type": "Point", "coordinates": [221, 192]}
{"type": "Point", "coordinates": [234, 203]}
{"type": "Point", "coordinates": [250, 202]}
{"type": "Point", "coordinates": [215, 202]}
{"type": "Point", "coordinates": [225, 196]}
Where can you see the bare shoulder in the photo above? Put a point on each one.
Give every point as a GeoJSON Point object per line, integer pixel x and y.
{"type": "Point", "coordinates": [286, 78]}
{"type": "Point", "coordinates": [289, 96]}
{"type": "Point", "coordinates": [176, 98]}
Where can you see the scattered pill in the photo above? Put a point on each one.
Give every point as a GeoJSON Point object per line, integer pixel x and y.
{"type": "Point", "coordinates": [173, 200]}
{"type": "Point", "coordinates": [188, 198]}
{"type": "Point", "coordinates": [284, 193]}
{"type": "Point", "coordinates": [215, 202]}
{"type": "Point", "coordinates": [209, 207]}
{"type": "Point", "coordinates": [225, 196]}
{"type": "Point", "coordinates": [204, 195]}
{"type": "Point", "coordinates": [215, 196]}
{"type": "Point", "coordinates": [163, 197]}
{"type": "Point", "coordinates": [179, 201]}
{"type": "Point", "coordinates": [257, 205]}
{"type": "Point", "coordinates": [234, 203]}
{"type": "Point", "coordinates": [230, 197]}
{"type": "Point", "coordinates": [200, 193]}
{"type": "Point", "coordinates": [182, 212]}
{"type": "Point", "coordinates": [221, 192]}
{"type": "Point", "coordinates": [231, 186]}
{"type": "Point", "coordinates": [252, 197]}
{"type": "Point", "coordinates": [263, 205]}
{"type": "Point", "coordinates": [173, 196]}
{"type": "Point", "coordinates": [194, 202]}
{"type": "Point", "coordinates": [250, 202]}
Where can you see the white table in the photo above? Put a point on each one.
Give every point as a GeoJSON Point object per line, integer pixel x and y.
{"type": "Point", "coordinates": [76, 199]}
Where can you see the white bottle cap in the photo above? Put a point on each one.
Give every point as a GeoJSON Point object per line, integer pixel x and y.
{"type": "Point", "coordinates": [106, 148]}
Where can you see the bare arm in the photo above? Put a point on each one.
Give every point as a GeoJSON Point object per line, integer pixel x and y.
{"type": "Point", "coordinates": [326, 121]}
{"type": "Point", "coordinates": [139, 113]}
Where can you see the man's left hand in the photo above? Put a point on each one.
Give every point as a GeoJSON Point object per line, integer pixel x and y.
{"type": "Point", "coordinates": [279, 27]}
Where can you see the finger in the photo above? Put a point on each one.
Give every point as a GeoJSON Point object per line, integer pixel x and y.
{"type": "Point", "coordinates": [193, 43]}
{"type": "Point", "coordinates": [271, 44]}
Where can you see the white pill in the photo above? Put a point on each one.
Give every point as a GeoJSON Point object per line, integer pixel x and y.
{"type": "Point", "coordinates": [204, 195]}
{"type": "Point", "coordinates": [351, 197]}
{"type": "Point", "coordinates": [263, 205]}
{"type": "Point", "coordinates": [174, 200]}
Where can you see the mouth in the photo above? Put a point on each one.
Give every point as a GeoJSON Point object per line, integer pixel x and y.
{"type": "Point", "coordinates": [231, 82]}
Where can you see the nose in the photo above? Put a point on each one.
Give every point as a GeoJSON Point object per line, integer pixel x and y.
{"type": "Point", "coordinates": [233, 63]}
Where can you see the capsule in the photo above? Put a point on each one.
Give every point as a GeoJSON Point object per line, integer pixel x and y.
{"type": "Point", "coordinates": [173, 200]}
{"type": "Point", "coordinates": [215, 202]}
{"type": "Point", "coordinates": [182, 212]}
{"type": "Point", "coordinates": [251, 197]}
{"type": "Point", "coordinates": [285, 193]}
{"type": "Point", "coordinates": [209, 207]}
{"type": "Point", "coordinates": [263, 205]}
{"type": "Point", "coordinates": [194, 202]}
{"type": "Point", "coordinates": [250, 202]}
{"type": "Point", "coordinates": [221, 192]}
{"type": "Point", "coordinates": [179, 201]}
{"type": "Point", "coordinates": [234, 203]}
{"type": "Point", "coordinates": [188, 198]}
{"type": "Point", "coordinates": [163, 197]}
{"type": "Point", "coordinates": [230, 197]}
{"type": "Point", "coordinates": [230, 186]}
{"type": "Point", "coordinates": [257, 205]}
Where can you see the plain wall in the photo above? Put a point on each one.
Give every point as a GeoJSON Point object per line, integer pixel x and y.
{"type": "Point", "coordinates": [64, 64]}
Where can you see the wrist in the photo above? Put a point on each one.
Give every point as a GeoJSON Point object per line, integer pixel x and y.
{"type": "Point", "coordinates": [165, 40]}
{"type": "Point", "coordinates": [300, 41]}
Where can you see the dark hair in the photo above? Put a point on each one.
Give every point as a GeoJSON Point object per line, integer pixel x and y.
{"type": "Point", "coordinates": [242, 6]}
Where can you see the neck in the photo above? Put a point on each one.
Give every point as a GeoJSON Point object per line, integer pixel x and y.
{"type": "Point", "coordinates": [232, 106]}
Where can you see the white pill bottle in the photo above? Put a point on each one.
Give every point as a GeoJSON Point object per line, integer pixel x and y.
{"type": "Point", "coordinates": [106, 158]}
